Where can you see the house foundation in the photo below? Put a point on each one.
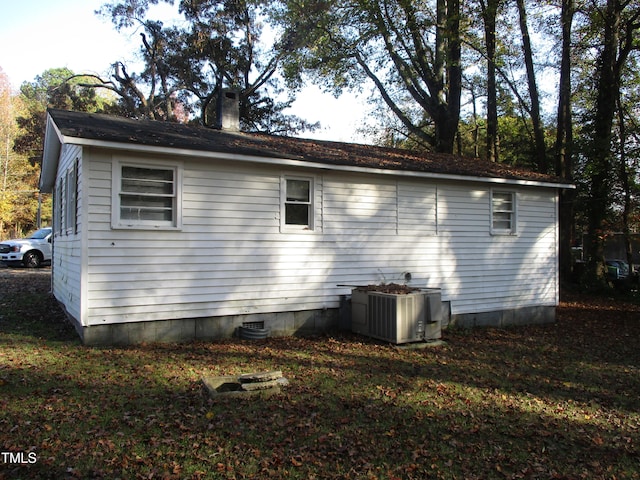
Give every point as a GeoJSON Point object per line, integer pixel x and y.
{"type": "Point", "coordinates": [502, 318]}
{"type": "Point", "coordinates": [208, 328]}
{"type": "Point", "coordinates": [307, 322]}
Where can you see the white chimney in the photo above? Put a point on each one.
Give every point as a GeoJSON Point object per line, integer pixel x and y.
{"type": "Point", "coordinates": [228, 110]}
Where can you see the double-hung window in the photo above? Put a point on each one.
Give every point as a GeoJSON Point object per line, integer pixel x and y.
{"type": "Point", "coordinates": [503, 212]}
{"type": "Point", "coordinates": [297, 203]}
{"type": "Point", "coordinates": [146, 196]}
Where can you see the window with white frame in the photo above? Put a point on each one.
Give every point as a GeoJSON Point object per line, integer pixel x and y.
{"type": "Point", "coordinates": [58, 206]}
{"type": "Point", "coordinates": [146, 196]}
{"type": "Point", "coordinates": [71, 213]}
{"type": "Point", "coordinates": [503, 212]}
{"type": "Point", "coordinates": [297, 203]}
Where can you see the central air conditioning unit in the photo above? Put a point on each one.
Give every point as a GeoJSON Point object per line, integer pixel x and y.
{"type": "Point", "coordinates": [397, 318]}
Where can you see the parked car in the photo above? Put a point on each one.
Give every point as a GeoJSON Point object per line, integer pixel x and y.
{"type": "Point", "coordinates": [617, 269]}
{"type": "Point", "coordinates": [32, 252]}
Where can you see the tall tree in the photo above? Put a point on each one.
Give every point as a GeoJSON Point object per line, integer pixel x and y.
{"type": "Point", "coordinates": [7, 124]}
{"type": "Point", "coordinates": [625, 179]}
{"type": "Point", "coordinates": [564, 141]}
{"type": "Point", "coordinates": [7, 132]}
{"type": "Point", "coordinates": [620, 21]}
{"type": "Point", "coordinates": [152, 93]}
{"type": "Point", "coordinates": [534, 96]}
{"type": "Point", "coordinates": [19, 181]}
{"type": "Point", "coordinates": [219, 44]}
{"type": "Point", "coordinates": [627, 158]}
{"type": "Point", "coordinates": [489, 14]}
{"type": "Point", "coordinates": [403, 48]}
{"type": "Point", "coordinates": [49, 89]}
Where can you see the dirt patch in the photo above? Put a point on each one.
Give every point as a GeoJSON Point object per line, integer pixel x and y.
{"type": "Point", "coordinates": [25, 280]}
{"type": "Point", "coordinates": [27, 307]}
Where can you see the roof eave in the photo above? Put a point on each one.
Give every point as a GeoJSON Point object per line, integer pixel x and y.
{"type": "Point", "coordinates": [282, 161]}
{"type": "Point", "coordinates": [53, 141]}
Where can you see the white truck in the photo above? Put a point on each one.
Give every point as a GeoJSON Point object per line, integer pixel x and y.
{"type": "Point", "coordinates": [32, 252]}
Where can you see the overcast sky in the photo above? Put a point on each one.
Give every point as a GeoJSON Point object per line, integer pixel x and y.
{"type": "Point", "coordinates": [36, 35]}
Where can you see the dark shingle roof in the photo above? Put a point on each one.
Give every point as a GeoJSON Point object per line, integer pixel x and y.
{"type": "Point", "coordinates": [108, 128]}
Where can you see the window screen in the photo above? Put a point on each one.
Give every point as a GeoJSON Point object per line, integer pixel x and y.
{"type": "Point", "coordinates": [147, 194]}
{"type": "Point", "coordinates": [503, 212]}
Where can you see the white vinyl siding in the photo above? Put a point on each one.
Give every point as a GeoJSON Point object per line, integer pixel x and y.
{"type": "Point", "coordinates": [417, 208]}
{"type": "Point", "coordinates": [232, 256]}
{"type": "Point", "coordinates": [481, 272]}
{"type": "Point", "coordinates": [360, 206]}
{"type": "Point", "coordinates": [67, 244]}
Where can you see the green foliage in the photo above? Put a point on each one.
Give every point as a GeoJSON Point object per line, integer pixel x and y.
{"type": "Point", "coordinates": [51, 89]}
{"type": "Point", "coordinates": [22, 209]}
{"type": "Point", "coordinates": [19, 200]}
{"type": "Point", "coordinates": [606, 164]}
{"type": "Point", "coordinates": [516, 145]}
{"type": "Point", "coordinates": [220, 44]}
{"type": "Point", "coordinates": [400, 49]}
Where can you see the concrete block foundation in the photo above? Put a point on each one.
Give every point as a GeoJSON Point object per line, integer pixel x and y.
{"type": "Point", "coordinates": [208, 328]}
{"type": "Point", "coordinates": [307, 322]}
{"type": "Point", "coordinates": [503, 318]}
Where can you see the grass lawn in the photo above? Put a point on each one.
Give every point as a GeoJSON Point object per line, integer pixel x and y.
{"type": "Point", "coordinates": [556, 401]}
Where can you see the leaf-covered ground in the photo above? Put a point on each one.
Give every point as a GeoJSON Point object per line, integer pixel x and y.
{"type": "Point", "coordinates": [556, 401]}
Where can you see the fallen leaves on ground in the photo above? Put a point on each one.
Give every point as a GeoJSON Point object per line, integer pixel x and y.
{"type": "Point", "coordinates": [553, 401]}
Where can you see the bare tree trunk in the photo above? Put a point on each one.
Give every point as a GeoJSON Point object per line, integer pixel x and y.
{"type": "Point", "coordinates": [476, 127]}
{"type": "Point", "coordinates": [454, 73]}
{"type": "Point", "coordinates": [626, 186]}
{"type": "Point", "coordinates": [489, 12]}
{"type": "Point", "coordinates": [538, 132]}
{"type": "Point", "coordinates": [564, 144]}
{"type": "Point", "coordinates": [600, 161]}
{"type": "Point", "coordinates": [448, 67]}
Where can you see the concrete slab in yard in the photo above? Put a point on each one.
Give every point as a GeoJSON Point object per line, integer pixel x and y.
{"type": "Point", "coordinates": [263, 385]}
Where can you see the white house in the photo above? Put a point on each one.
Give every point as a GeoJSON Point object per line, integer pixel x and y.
{"type": "Point", "coordinates": [170, 232]}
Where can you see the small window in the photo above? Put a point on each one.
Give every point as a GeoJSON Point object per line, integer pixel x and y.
{"type": "Point", "coordinates": [503, 212]}
{"type": "Point", "coordinates": [298, 203]}
{"type": "Point", "coordinates": [58, 203]}
{"type": "Point", "coordinates": [71, 212]}
{"type": "Point", "coordinates": [147, 196]}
